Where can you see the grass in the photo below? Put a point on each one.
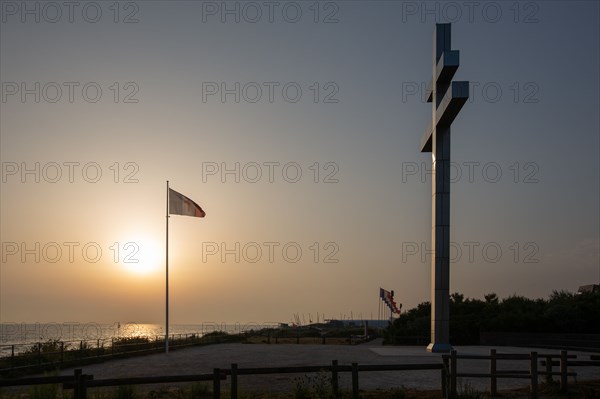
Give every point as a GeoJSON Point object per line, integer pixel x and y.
{"type": "Point", "coordinates": [47, 391]}
{"type": "Point", "coordinates": [198, 391]}
{"type": "Point", "coordinates": [53, 354]}
{"type": "Point", "coordinates": [125, 392]}
{"type": "Point", "coordinates": [313, 387]}
{"type": "Point", "coordinates": [468, 392]}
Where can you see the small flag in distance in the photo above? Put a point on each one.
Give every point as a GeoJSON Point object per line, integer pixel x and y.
{"type": "Point", "coordinates": [179, 204]}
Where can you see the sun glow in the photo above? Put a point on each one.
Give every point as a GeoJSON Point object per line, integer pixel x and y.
{"type": "Point", "coordinates": [141, 256]}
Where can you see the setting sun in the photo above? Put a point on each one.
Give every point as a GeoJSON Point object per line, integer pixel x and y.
{"type": "Point", "coordinates": [142, 255]}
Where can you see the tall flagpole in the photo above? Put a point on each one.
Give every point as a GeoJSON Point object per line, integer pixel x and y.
{"type": "Point", "coordinates": [167, 277]}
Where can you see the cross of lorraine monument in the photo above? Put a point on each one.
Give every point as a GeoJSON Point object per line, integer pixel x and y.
{"type": "Point", "coordinates": [447, 98]}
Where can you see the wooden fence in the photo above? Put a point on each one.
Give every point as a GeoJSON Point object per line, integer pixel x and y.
{"type": "Point", "coordinates": [302, 337]}
{"type": "Point", "coordinates": [532, 374]}
{"type": "Point", "coordinates": [80, 382]}
{"type": "Point", "coordinates": [449, 373]}
{"type": "Point", "coordinates": [75, 353]}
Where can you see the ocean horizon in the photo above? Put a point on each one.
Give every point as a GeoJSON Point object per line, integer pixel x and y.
{"type": "Point", "coordinates": [25, 334]}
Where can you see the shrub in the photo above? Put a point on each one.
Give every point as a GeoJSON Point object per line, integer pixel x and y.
{"type": "Point", "coordinates": [125, 392]}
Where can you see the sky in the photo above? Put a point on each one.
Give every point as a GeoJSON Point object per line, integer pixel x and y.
{"type": "Point", "coordinates": [296, 125]}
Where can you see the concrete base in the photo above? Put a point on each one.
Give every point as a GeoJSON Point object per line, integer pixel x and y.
{"type": "Point", "coordinates": [439, 348]}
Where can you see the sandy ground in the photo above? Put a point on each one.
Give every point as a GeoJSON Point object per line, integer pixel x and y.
{"type": "Point", "coordinates": [196, 360]}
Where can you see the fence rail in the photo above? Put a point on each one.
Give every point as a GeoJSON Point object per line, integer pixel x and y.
{"type": "Point", "coordinates": [80, 382]}
{"type": "Point", "coordinates": [532, 374]}
{"type": "Point", "coordinates": [449, 370]}
{"type": "Point", "coordinates": [41, 356]}
{"type": "Point", "coordinates": [44, 355]}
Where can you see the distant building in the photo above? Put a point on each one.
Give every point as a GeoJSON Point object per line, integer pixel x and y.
{"type": "Point", "coordinates": [593, 288]}
{"type": "Point", "coordinates": [376, 324]}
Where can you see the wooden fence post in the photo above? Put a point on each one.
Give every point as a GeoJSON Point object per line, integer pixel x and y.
{"type": "Point", "coordinates": [453, 373]}
{"type": "Point", "coordinates": [549, 369]}
{"type": "Point", "coordinates": [445, 373]}
{"type": "Point", "coordinates": [444, 376]}
{"type": "Point", "coordinates": [83, 386]}
{"type": "Point", "coordinates": [334, 378]}
{"type": "Point", "coordinates": [234, 388]}
{"type": "Point", "coordinates": [76, 376]}
{"type": "Point", "coordinates": [216, 383]}
{"type": "Point", "coordinates": [563, 371]}
{"type": "Point", "coordinates": [355, 381]}
{"type": "Point", "coordinates": [494, 380]}
{"type": "Point", "coordinates": [534, 374]}
{"type": "Point", "coordinates": [62, 352]}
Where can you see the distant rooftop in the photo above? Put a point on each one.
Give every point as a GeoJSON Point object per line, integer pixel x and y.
{"type": "Point", "coordinates": [360, 322]}
{"type": "Point", "coordinates": [593, 288]}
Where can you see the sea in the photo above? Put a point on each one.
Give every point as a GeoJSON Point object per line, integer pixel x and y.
{"type": "Point", "coordinates": [19, 337]}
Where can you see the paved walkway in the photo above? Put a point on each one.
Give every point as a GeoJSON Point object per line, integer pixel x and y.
{"type": "Point", "coordinates": [203, 359]}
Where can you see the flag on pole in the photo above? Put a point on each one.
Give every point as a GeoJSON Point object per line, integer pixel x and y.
{"type": "Point", "coordinates": [388, 298]}
{"type": "Point", "coordinates": [179, 204]}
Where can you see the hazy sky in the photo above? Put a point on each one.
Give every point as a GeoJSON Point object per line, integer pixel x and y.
{"type": "Point", "coordinates": [297, 127]}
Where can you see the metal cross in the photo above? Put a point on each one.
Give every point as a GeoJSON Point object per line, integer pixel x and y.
{"type": "Point", "coordinates": [447, 97]}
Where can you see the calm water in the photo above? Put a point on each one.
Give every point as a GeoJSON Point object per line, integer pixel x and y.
{"type": "Point", "coordinates": [22, 335]}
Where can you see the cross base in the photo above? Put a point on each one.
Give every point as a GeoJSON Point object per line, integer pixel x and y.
{"type": "Point", "coordinates": [439, 348]}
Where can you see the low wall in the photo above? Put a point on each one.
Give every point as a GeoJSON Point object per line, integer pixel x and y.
{"type": "Point", "coordinates": [586, 342]}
